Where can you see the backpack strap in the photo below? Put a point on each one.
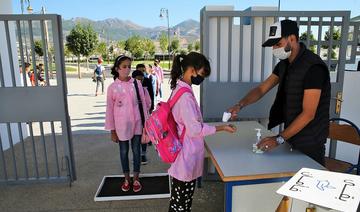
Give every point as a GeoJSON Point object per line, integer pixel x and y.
{"type": "Point", "coordinates": [182, 134]}
{"type": "Point", "coordinates": [172, 102]}
{"type": "Point", "coordinates": [139, 102]}
{"type": "Point", "coordinates": [178, 94]}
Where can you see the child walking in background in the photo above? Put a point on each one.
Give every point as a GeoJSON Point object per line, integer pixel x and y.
{"type": "Point", "coordinates": [188, 70]}
{"type": "Point", "coordinates": [124, 119]}
{"type": "Point", "coordinates": [160, 76]}
{"type": "Point", "coordinates": [99, 76]}
{"type": "Point", "coordinates": [154, 81]}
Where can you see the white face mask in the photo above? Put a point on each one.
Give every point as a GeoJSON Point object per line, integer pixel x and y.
{"type": "Point", "coordinates": [281, 53]}
{"type": "Point", "coordinates": [124, 72]}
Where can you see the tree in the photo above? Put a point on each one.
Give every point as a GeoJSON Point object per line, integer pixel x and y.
{"type": "Point", "coordinates": [190, 47]}
{"type": "Point", "coordinates": [111, 52]}
{"type": "Point", "coordinates": [38, 48]}
{"type": "Point", "coordinates": [183, 51]}
{"type": "Point", "coordinates": [121, 44]}
{"type": "Point", "coordinates": [303, 37]}
{"type": "Point", "coordinates": [336, 37]}
{"type": "Point", "coordinates": [197, 45]}
{"type": "Point", "coordinates": [102, 50]}
{"type": "Point", "coordinates": [175, 44]}
{"type": "Point", "coordinates": [119, 47]}
{"type": "Point", "coordinates": [135, 46]}
{"type": "Point", "coordinates": [163, 40]}
{"type": "Point", "coordinates": [149, 47]}
{"type": "Point", "coordinates": [82, 40]}
{"type": "Point", "coordinates": [67, 52]}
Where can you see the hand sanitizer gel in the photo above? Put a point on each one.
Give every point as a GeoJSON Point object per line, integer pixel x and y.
{"type": "Point", "coordinates": [258, 139]}
{"type": "Point", "coordinates": [258, 135]}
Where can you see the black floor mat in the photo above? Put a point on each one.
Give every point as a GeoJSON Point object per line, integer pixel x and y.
{"type": "Point", "coordinates": [152, 187]}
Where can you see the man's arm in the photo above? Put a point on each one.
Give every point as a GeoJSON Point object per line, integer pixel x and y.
{"type": "Point", "coordinates": [310, 103]}
{"type": "Point", "coordinates": [254, 94]}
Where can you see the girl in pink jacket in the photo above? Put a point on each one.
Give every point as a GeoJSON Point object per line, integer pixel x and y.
{"type": "Point", "coordinates": [123, 118]}
{"type": "Point", "coordinates": [188, 70]}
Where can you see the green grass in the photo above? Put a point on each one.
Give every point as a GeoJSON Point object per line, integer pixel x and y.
{"type": "Point", "coordinates": [70, 69]}
{"type": "Point", "coordinates": [163, 64]}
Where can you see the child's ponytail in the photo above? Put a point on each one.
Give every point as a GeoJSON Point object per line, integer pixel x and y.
{"type": "Point", "coordinates": [182, 62]}
{"type": "Point", "coordinates": [176, 70]}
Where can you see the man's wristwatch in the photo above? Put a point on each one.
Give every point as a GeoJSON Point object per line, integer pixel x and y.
{"type": "Point", "coordinates": [280, 139]}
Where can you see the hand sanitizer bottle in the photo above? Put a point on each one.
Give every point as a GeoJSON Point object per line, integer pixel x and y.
{"type": "Point", "coordinates": [258, 139]}
{"type": "Point", "coordinates": [258, 135]}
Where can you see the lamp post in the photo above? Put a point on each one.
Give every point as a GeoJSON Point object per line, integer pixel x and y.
{"type": "Point", "coordinates": [29, 9]}
{"type": "Point", "coordinates": [279, 5]}
{"type": "Point", "coordinates": [166, 12]}
{"type": "Point", "coordinates": [106, 36]}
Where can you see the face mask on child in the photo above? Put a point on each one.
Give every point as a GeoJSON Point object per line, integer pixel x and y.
{"type": "Point", "coordinates": [124, 72]}
{"type": "Point", "coordinates": [197, 80]}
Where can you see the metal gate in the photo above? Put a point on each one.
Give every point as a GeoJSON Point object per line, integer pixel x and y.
{"type": "Point", "coordinates": [35, 131]}
{"type": "Point", "coordinates": [232, 41]}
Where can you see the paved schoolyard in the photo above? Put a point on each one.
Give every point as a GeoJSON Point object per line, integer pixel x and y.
{"type": "Point", "coordinates": [96, 156]}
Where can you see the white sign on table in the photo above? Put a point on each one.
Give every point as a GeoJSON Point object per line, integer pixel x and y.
{"type": "Point", "coordinates": [328, 189]}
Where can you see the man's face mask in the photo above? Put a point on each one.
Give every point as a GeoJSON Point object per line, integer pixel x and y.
{"type": "Point", "coordinates": [282, 52]}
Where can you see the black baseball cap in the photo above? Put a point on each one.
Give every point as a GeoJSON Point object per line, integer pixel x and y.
{"type": "Point", "coordinates": [280, 30]}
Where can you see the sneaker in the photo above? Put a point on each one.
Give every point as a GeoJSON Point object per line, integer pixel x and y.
{"type": "Point", "coordinates": [125, 186]}
{"type": "Point", "coordinates": [136, 186]}
{"type": "Point", "coordinates": [144, 160]}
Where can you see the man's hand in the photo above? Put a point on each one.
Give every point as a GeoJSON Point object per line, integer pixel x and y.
{"type": "Point", "coordinates": [268, 143]}
{"type": "Point", "coordinates": [114, 136]}
{"type": "Point", "coordinates": [234, 110]}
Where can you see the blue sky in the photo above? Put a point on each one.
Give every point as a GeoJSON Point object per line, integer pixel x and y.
{"type": "Point", "coordinates": [146, 12]}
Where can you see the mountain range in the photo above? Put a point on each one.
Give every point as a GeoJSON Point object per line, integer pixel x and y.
{"type": "Point", "coordinates": [116, 29]}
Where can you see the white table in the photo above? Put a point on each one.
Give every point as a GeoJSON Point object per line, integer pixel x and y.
{"type": "Point", "coordinates": [237, 165]}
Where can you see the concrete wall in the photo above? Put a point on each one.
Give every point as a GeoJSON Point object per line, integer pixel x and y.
{"type": "Point", "coordinates": [351, 111]}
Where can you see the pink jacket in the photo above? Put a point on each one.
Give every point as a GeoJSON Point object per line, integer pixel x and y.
{"type": "Point", "coordinates": [159, 74]}
{"type": "Point", "coordinates": [189, 162]}
{"type": "Point", "coordinates": [122, 110]}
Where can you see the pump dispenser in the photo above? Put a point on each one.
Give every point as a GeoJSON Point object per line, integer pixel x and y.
{"type": "Point", "coordinates": [258, 135]}
{"type": "Point", "coordinates": [258, 139]}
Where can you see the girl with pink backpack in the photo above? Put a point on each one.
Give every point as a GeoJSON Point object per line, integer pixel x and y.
{"type": "Point", "coordinates": [125, 108]}
{"type": "Point", "coordinates": [188, 166]}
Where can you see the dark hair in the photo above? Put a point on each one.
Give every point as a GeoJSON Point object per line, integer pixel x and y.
{"type": "Point", "coordinates": [137, 73]}
{"type": "Point", "coordinates": [150, 65]}
{"type": "Point", "coordinates": [140, 65]}
{"type": "Point", "coordinates": [27, 64]}
{"type": "Point", "coordinates": [156, 61]}
{"type": "Point", "coordinates": [182, 62]}
{"type": "Point", "coordinates": [117, 62]}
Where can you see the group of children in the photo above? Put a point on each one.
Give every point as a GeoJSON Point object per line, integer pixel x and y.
{"type": "Point", "coordinates": [129, 104]}
{"type": "Point", "coordinates": [30, 74]}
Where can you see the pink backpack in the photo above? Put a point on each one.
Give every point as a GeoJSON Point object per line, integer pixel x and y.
{"type": "Point", "coordinates": [161, 129]}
